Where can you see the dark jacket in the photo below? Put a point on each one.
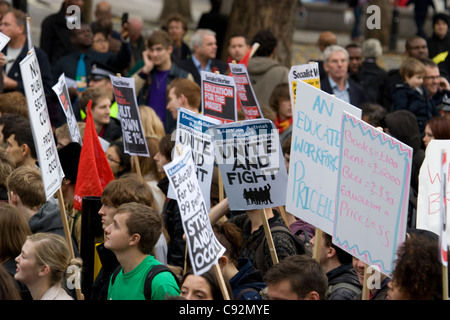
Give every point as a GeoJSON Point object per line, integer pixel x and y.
{"type": "Point", "coordinates": [99, 290]}
{"type": "Point", "coordinates": [189, 66]}
{"type": "Point", "coordinates": [55, 36]}
{"type": "Point", "coordinates": [357, 94]}
{"type": "Point", "coordinates": [406, 98]}
{"type": "Point", "coordinates": [44, 66]}
{"type": "Point", "coordinates": [343, 274]}
{"type": "Point", "coordinates": [248, 282]}
{"type": "Point", "coordinates": [48, 219]}
{"type": "Point", "coordinates": [176, 247]}
{"type": "Point", "coordinates": [437, 45]}
{"type": "Point", "coordinates": [284, 245]}
{"type": "Point", "coordinates": [372, 78]}
{"type": "Point", "coordinates": [68, 63]}
{"type": "Point", "coordinates": [113, 131]}
{"type": "Point", "coordinates": [143, 95]}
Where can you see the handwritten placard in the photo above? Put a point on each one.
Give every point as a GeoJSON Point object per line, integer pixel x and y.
{"type": "Point", "coordinates": [203, 247]}
{"type": "Point", "coordinates": [372, 194]}
{"type": "Point", "coordinates": [314, 158]}
{"type": "Point", "coordinates": [430, 184]}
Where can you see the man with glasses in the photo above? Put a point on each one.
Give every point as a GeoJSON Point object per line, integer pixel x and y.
{"type": "Point", "coordinates": [436, 84]}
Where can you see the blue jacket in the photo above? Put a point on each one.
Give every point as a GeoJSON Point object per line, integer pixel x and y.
{"type": "Point", "coordinates": [248, 282]}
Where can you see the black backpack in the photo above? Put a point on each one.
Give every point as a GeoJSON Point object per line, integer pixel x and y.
{"type": "Point", "coordinates": [278, 227]}
{"type": "Point", "coordinates": [148, 280]}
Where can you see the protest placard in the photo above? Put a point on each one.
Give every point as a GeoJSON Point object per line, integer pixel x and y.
{"type": "Point", "coordinates": [62, 93]}
{"type": "Point", "coordinates": [372, 194]}
{"type": "Point", "coordinates": [130, 119]}
{"type": "Point", "coordinates": [430, 184]}
{"type": "Point", "coordinates": [203, 247]}
{"type": "Point", "coordinates": [4, 39]}
{"type": "Point", "coordinates": [308, 73]}
{"type": "Point", "coordinates": [218, 96]}
{"type": "Point", "coordinates": [52, 173]}
{"type": "Point", "coordinates": [251, 164]}
{"type": "Point", "coordinates": [245, 93]}
{"type": "Point", "coordinates": [192, 131]}
{"type": "Point", "coordinates": [314, 157]}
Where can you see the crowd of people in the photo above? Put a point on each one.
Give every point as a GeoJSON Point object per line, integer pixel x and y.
{"type": "Point", "coordinates": [143, 254]}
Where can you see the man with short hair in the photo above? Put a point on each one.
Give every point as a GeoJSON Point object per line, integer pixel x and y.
{"type": "Point", "coordinates": [153, 79]}
{"type": "Point", "coordinates": [297, 277]}
{"type": "Point", "coordinates": [183, 93]}
{"type": "Point", "coordinates": [203, 57]}
{"type": "Point", "coordinates": [238, 47]}
{"type": "Point", "coordinates": [132, 235]}
{"type": "Point", "coordinates": [337, 82]}
{"type": "Point", "coordinates": [20, 143]}
{"type": "Point", "coordinates": [436, 85]}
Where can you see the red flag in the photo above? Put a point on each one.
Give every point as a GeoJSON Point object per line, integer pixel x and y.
{"type": "Point", "coordinates": [94, 171]}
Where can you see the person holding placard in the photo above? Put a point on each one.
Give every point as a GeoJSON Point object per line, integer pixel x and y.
{"type": "Point", "coordinates": [142, 225]}
{"type": "Point", "coordinates": [245, 281]}
{"type": "Point", "coordinates": [20, 143]}
{"type": "Point", "coordinates": [418, 270]}
{"type": "Point", "coordinates": [118, 159]}
{"type": "Point", "coordinates": [296, 278]}
{"type": "Point", "coordinates": [203, 287]}
{"type": "Point", "coordinates": [183, 93]}
{"type": "Point", "coordinates": [343, 283]}
{"type": "Point", "coordinates": [378, 286]}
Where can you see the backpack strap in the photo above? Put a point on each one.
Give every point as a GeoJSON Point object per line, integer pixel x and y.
{"type": "Point", "coordinates": [334, 287]}
{"type": "Point", "coordinates": [153, 273]}
{"type": "Point", "coordinates": [116, 272]}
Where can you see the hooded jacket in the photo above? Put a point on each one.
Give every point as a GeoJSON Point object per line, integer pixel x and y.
{"type": "Point", "coordinates": [265, 74]}
{"type": "Point", "coordinates": [248, 282]}
{"type": "Point", "coordinates": [343, 274]}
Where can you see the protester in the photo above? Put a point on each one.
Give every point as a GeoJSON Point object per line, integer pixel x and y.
{"type": "Point", "coordinates": [42, 266]}
{"type": "Point", "coordinates": [203, 287]}
{"type": "Point", "coordinates": [116, 193]}
{"type": "Point", "coordinates": [20, 143]}
{"type": "Point", "coordinates": [411, 94]}
{"type": "Point", "coordinates": [238, 46]}
{"type": "Point", "coordinates": [13, 102]}
{"type": "Point", "coordinates": [177, 27]}
{"type": "Point", "coordinates": [245, 281]}
{"type": "Point", "coordinates": [439, 42]}
{"type": "Point", "coordinates": [151, 123]}
{"type": "Point", "coordinates": [280, 102]}
{"type": "Point", "coordinates": [7, 165]}
{"type": "Point", "coordinates": [8, 287]}
{"type": "Point", "coordinates": [118, 159]}
{"type": "Point", "coordinates": [14, 230]}
{"type": "Point", "coordinates": [142, 225]}
{"type": "Point", "coordinates": [185, 94]}
{"type": "Point", "coordinates": [378, 285]}
{"type": "Point", "coordinates": [436, 128]}
{"type": "Point", "coordinates": [343, 283]}
{"type": "Point", "coordinates": [418, 270]}
{"type": "Point", "coordinates": [298, 277]}
{"type": "Point", "coordinates": [264, 70]}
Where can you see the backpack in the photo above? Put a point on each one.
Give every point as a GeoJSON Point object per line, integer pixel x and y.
{"type": "Point", "coordinates": [278, 227]}
{"type": "Point", "coordinates": [334, 287]}
{"type": "Point", "coordinates": [148, 280]}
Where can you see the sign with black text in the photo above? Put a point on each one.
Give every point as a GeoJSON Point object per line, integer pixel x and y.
{"type": "Point", "coordinates": [218, 97]}
{"type": "Point", "coordinates": [203, 247]}
{"type": "Point", "coordinates": [52, 173]}
{"type": "Point", "coordinates": [130, 119]}
{"type": "Point", "coordinates": [251, 164]}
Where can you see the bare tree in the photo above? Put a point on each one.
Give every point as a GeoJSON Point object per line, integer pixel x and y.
{"type": "Point", "coordinates": [249, 16]}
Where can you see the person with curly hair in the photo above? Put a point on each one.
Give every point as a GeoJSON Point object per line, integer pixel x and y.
{"type": "Point", "coordinates": [418, 272]}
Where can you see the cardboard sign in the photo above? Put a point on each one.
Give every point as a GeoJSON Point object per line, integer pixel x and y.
{"type": "Point", "coordinates": [62, 93]}
{"type": "Point", "coordinates": [192, 131]}
{"type": "Point", "coordinates": [430, 184]}
{"type": "Point", "coordinates": [245, 93]}
{"type": "Point", "coordinates": [203, 247]}
{"type": "Point", "coordinates": [314, 158]}
{"type": "Point", "coordinates": [52, 173]}
{"type": "Point", "coordinates": [372, 194]}
{"type": "Point", "coordinates": [308, 73]}
{"type": "Point", "coordinates": [218, 97]}
{"type": "Point", "coordinates": [251, 164]}
{"type": "Point", "coordinates": [4, 39]}
{"type": "Point", "coordinates": [130, 119]}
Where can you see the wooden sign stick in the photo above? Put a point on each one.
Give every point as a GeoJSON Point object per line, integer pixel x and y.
{"type": "Point", "coordinates": [265, 222]}
{"type": "Point", "coordinates": [223, 287]}
{"type": "Point", "coordinates": [444, 282]}
{"type": "Point", "coordinates": [138, 168]}
{"type": "Point", "coordinates": [366, 290]}
{"type": "Point", "coordinates": [317, 244]}
{"type": "Point", "coordinates": [67, 232]}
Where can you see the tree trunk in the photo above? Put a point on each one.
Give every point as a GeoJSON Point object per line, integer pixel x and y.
{"type": "Point", "coordinates": [248, 17]}
{"type": "Point", "coordinates": [183, 7]}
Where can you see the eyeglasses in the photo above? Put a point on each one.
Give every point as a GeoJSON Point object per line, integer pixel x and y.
{"type": "Point", "coordinates": [109, 158]}
{"type": "Point", "coordinates": [432, 77]}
